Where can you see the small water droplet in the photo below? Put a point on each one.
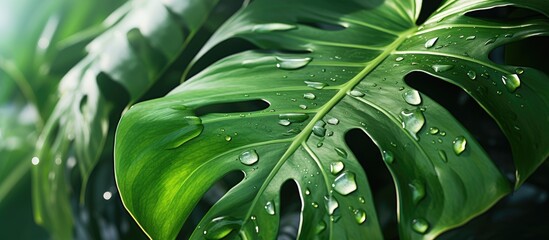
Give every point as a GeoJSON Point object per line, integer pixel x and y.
{"type": "Point", "coordinates": [249, 157]}
{"type": "Point", "coordinates": [307, 191]}
{"type": "Point", "coordinates": [333, 121]}
{"type": "Point", "coordinates": [412, 97]}
{"type": "Point", "coordinates": [345, 183]}
{"type": "Point", "coordinates": [292, 63]}
{"type": "Point", "coordinates": [302, 106]}
{"type": "Point", "coordinates": [442, 155]}
{"type": "Point", "coordinates": [35, 161]}
{"type": "Point", "coordinates": [442, 67]}
{"type": "Point", "coordinates": [471, 38]}
{"type": "Point", "coordinates": [228, 138]}
{"type": "Point", "coordinates": [472, 74]}
{"type": "Point", "coordinates": [512, 82]}
{"type": "Point", "coordinates": [356, 93]}
{"type": "Point", "coordinates": [336, 167]}
{"type": "Point", "coordinates": [459, 145]}
{"type": "Point", "coordinates": [309, 96]}
{"type": "Point", "coordinates": [398, 59]}
{"type": "Point", "coordinates": [420, 225]}
{"type": "Point", "coordinates": [519, 71]}
{"type": "Point", "coordinates": [342, 153]}
{"type": "Point", "coordinates": [360, 216]}
{"type": "Point", "coordinates": [431, 42]}
{"type": "Point", "coordinates": [316, 85]}
{"type": "Point", "coordinates": [331, 204]}
{"type": "Point", "coordinates": [294, 117]}
{"type": "Point", "coordinates": [270, 208]}
{"type": "Point", "coordinates": [221, 227]}
{"type": "Point", "coordinates": [361, 200]}
{"type": "Point", "coordinates": [269, 27]}
{"type": "Point", "coordinates": [490, 41]}
{"type": "Point", "coordinates": [508, 35]}
{"type": "Point", "coordinates": [442, 133]}
{"type": "Point", "coordinates": [412, 121]}
{"type": "Point", "coordinates": [314, 204]}
{"type": "Point", "coordinates": [418, 190]}
{"type": "Point", "coordinates": [388, 156]}
{"type": "Point", "coordinates": [320, 227]}
{"type": "Point", "coordinates": [433, 130]}
{"type": "Point", "coordinates": [284, 122]}
{"type": "Point", "coordinates": [318, 128]}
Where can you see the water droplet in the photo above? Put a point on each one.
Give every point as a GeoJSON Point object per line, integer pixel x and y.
{"type": "Point", "coordinates": [356, 93]}
{"type": "Point", "coordinates": [107, 195]}
{"type": "Point", "coordinates": [345, 183]}
{"type": "Point", "coordinates": [270, 208]}
{"type": "Point", "coordinates": [418, 190]}
{"type": "Point", "coordinates": [314, 204]}
{"type": "Point", "coordinates": [412, 97]}
{"type": "Point", "coordinates": [221, 227]}
{"type": "Point", "coordinates": [331, 204]}
{"type": "Point", "coordinates": [442, 133]}
{"type": "Point", "coordinates": [192, 127]}
{"type": "Point", "coordinates": [318, 128]}
{"type": "Point", "coordinates": [309, 96]}
{"type": "Point", "coordinates": [420, 225]}
{"type": "Point", "coordinates": [398, 59]}
{"type": "Point", "coordinates": [512, 82]}
{"type": "Point", "coordinates": [342, 153]}
{"type": "Point", "coordinates": [320, 227]}
{"type": "Point", "coordinates": [336, 167]}
{"type": "Point", "coordinates": [333, 121]}
{"type": "Point", "coordinates": [442, 67]}
{"type": "Point", "coordinates": [508, 35]}
{"type": "Point", "coordinates": [294, 117]}
{"type": "Point", "coordinates": [35, 161]}
{"type": "Point", "coordinates": [284, 122]}
{"type": "Point", "coordinates": [472, 74]}
{"type": "Point", "coordinates": [490, 41]}
{"type": "Point", "coordinates": [248, 157]}
{"type": "Point", "coordinates": [361, 200]}
{"type": "Point", "coordinates": [459, 144]}
{"type": "Point", "coordinates": [431, 42]}
{"type": "Point", "coordinates": [388, 156]}
{"type": "Point", "coordinates": [269, 27]}
{"type": "Point", "coordinates": [254, 221]}
{"type": "Point", "coordinates": [519, 71]}
{"type": "Point", "coordinates": [360, 216]}
{"type": "Point", "coordinates": [228, 138]}
{"type": "Point", "coordinates": [316, 85]}
{"type": "Point", "coordinates": [412, 121]}
{"type": "Point", "coordinates": [471, 38]}
{"type": "Point", "coordinates": [442, 155]}
{"type": "Point", "coordinates": [302, 106]}
{"type": "Point", "coordinates": [292, 63]}
{"type": "Point", "coordinates": [307, 191]}
{"type": "Point", "coordinates": [433, 130]}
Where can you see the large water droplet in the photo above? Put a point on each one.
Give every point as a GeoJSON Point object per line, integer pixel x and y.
{"type": "Point", "coordinates": [459, 144]}
{"type": "Point", "coordinates": [442, 67]}
{"type": "Point", "coordinates": [331, 204]}
{"type": "Point", "coordinates": [512, 82]}
{"type": "Point", "coordinates": [269, 27]}
{"type": "Point", "coordinates": [284, 122]}
{"type": "Point", "coordinates": [220, 227]}
{"type": "Point", "coordinates": [388, 156]}
{"type": "Point", "coordinates": [418, 190]}
{"type": "Point", "coordinates": [412, 121]}
{"type": "Point", "coordinates": [412, 97]}
{"type": "Point", "coordinates": [294, 117]}
{"type": "Point", "coordinates": [316, 85]}
{"type": "Point", "coordinates": [360, 215]}
{"type": "Point", "coordinates": [228, 138]}
{"type": "Point", "coordinates": [318, 128]}
{"type": "Point", "coordinates": [336, 167]}
{"type": "Point", "coordinates": [248, 157]}
{"type": "Point", "coordinates": [431, 42]}
{"type": "Point", "coordinates": [472, 74]}
{"type": "Point", "coordinates": [292, 63]}
{"type": "Point", "coordinates": [333, 121]}
{"type": "Point", "coordinates": [310, 96]}
{"type": "Point", "coordinates": [356, 93]}
{"type": "Point", "coordinates": [345, 183]}
{"type": "Point", "coordinates": [342, 153]}
{"type": "Point", "coordinates": [191, 128]}
{"type": "Point", "coordinates": [420, 225]}
{"type": "Point", "coordinates": [270, 208]}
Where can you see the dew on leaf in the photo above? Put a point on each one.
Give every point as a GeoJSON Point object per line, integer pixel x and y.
{"type": "Point", "coordinates": [335, 218]}
{"type": "Point", "coordinates": [302, 106]}
{"type": "Point", "coordinates": [336, 167]}
{"type": "Point", "coordinates": [307, 191]}
{"type": "Point", "coordinates": [320, 227]}
{"type": "Point", "coordinates": [294, 117]}
{"type": "Point", "coordinates": [249, 157]}
{"type": "Point", "coordinates": [331, 204]}
{"type": "Point", "coordinates": [412, 121]}
{"type": "Point", "coordinates": [318, 128]}
{"type": "Point", "coordinates": [418, 190]}
{"type": "Point", "coordinates": [519, 71]}
{"type": "Point", "coordinates": [459, 145]}
{"type": "Point", "coordinates": [490, 41]}
{"type": "Point", "coordinates": [333, 121]}
{"type": "Point", "coordinates": [431, 42]}
{"type": "Point", "coordinates": [314, 204]}
{"type": "Point", "coordinates": [356, 93]}
{"type": "Point", "coordinates": [269, 27]}
{"type": "Point", "coordinates": [388, 156]}
{"type": "Point", "coordinates": [284, 122]}
{"type": "Point", "coordinates": [420, 225]}
{"type": "Point", "coordinates": [471, 38]}
{"type": "Point", "coordinates": [360, 216]}
{"type": "Point", "coordinates": [270, 208]}
{"type": "Point", "coordinates": [345, 183]}
{"type": "Point", "coordinates": [412, 97]}
{"type": "Point", "coordinates": [316, 85]}
{"type": "Point", "coordinates": [433, 130]}
{"type": "Point", "coordinates": [310, 96]}
{"type": "Point", "coordinates": [342, 153]}
{"type": "Point", "coordinates": [292, 63]}
{"type": "Point", "coordinates": [472, 75]}
{"type": "Point", "coordinates": [512, 82]}
{"type": "Point", "coordinates": [228, 138]}
{"type": "Point", "coordinates": [398, 59]}
{"type": "Point", "coordinates": [361, 200]}
{"type": "Point", "coordinates": [442, 155]}
{"type": "Point", "coordinates": [220, 227]}
{"type": "Point", "coordinates": [442, 67]}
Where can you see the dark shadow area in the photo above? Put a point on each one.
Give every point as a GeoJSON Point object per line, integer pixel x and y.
{"type": "Point", "coordinates": [113, 91]}
{"type": "Point", "coordinates": [290, 211]}
{"type": "Point", "coordinates": [427, 8]}
{"type": "Point", "coordinates": [323, 25]}
{"type": "Point", "coordinates": [232, 107]}
{"type": "Point", "coordinates": [508, 13]}
{"type": "Point", "coordinates": [379, 177]}
{"type": "Point", "coordinates": [470, 114]}
{"type": "Point", "coordinates": [530, 52]}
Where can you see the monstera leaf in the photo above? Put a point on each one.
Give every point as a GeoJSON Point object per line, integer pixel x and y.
{"type": "Point", "coordinates": [324, 68]}
{"type": "Point", "coordinates": [142, 39]}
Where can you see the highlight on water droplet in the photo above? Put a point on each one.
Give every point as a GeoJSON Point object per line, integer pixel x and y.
{"type": "Point", "coordinates": [228, 138]}
{"type": "Point", "coordinates": [388, 156]}
{"type": "Point", "coordinates": [459, 145]}
{"type": "Point", "coordinates": [472, 75]}
{"type": "Point", "coordinates": [249, 157]}
{"type": "Point", "coordinates": [307, 191]}
{"type": "Point", "coordinates": [361, 200]}
{"type": "Point", "coordinates": [360, 216]}
{"type": "Point", "coordinates": [333, 121]}
{"type": "Point", "coordinates": [221, 227]}
{"type": "Point", "coordinates": [269, 27]}
{"type": "Point", "coordinates": [442, 67]}
{"type": "Point", "coordinates": [490, 41]}
{"type": "Point", "coordinates": [418, 190]}
{"type": "Point", "coordinates": [336, 167]}
{"type": "Point", "coordinates": [310, 96]}
{"type": "Point", "coordinates": [412, 121]}
{"type": "Point", "coordinates": [433, 130]}
{"type": "Point", "coordinates": [512, 82]}
{"type": "Point", "coordinates": [35, 161]}
{"type": "Point", "coordinates": [471, 38]}
{"type": "Point", "coordinates": [420, 225]}
{"type": "Point", "coordinates": [292, 63]}
{"type": "Point", "coordinates": [270, 207]}
{"type": "Point", "coordinates": [431, 42]}
{"type": "Point", "coordinates": [316, 85]}
{"type": "Point", "coordinates": [345, 183]}
{"type": "Point", "coordinates": [412, 97]}
{"type": "Point", "coordinates": [331, 204]}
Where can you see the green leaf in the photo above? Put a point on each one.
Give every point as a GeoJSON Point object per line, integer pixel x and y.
{"type": "Point", "coordinates": [142, 39]}
{"type": "Point", "coordinates": [319, 84]}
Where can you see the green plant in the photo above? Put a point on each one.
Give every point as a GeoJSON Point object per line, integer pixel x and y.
{"type": "Point", "coordinates": [281, 114]}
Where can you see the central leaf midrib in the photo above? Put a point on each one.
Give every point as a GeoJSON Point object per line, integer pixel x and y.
{"type": "Point", "coordinates": [303, 135]}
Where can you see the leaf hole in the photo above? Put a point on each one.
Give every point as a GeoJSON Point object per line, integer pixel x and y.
{"type": "Point", "coordinates": [528, 52]}
{"type": "Point", "coordinates": [470, 114]}
{"type": "Point", "coordinates": [212, 196]}
{"type": "Point", "coordinates": [427, 8]}
{"type": "Point", "coordinates": [290, 211]}
{"type": "Point", "coordinates": [379, 178]}
{"type": "Point", "coordinates": [232, 107]}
